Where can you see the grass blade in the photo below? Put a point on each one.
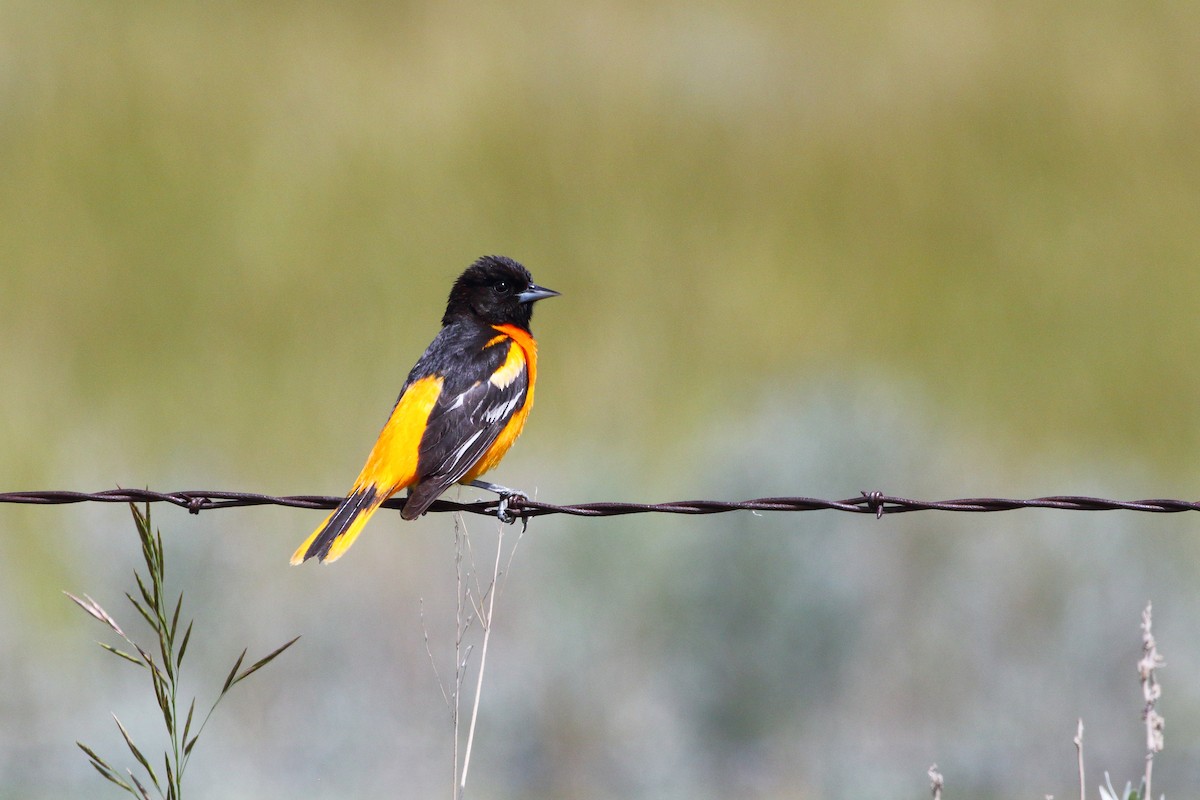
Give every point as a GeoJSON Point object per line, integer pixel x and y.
{"type": "Point", "coordinates": [136, 782]}
{"type": "Point", "coordinates": [122, 654]}
{"type": "Point", "coordinates": [103, 767]}
{"type": "Point", "coordinates": [162, 694]}
{"type": "Point", "coordinates": [112, 776]}
{"type": "Point", "coordinates": [149, 659]}
{"type": "Point", "coordinates": [146, 594]}
{"type": "Point", "coordinates": [145, 614]}
{"type": "Point", "coordinates": [187, 636]}
{"type": "Point", "coordinates": [93, 608]}
{"type": "Point", "coordinates": [138, 755]}
{"type": "Point", "coordinates": [175, 619]}
{"type": "Point", "coordinates": [91, 754]}
{"type": "Point", "coordinates": [164, 649]}
{"type": "Point", "coordinates": [229, 681]}
{"type": "Point", "coordinates": [89, 606]}
{"type": "Point", "coordinates": [187, 726]}
{"type": "Point", "coordinates": [262, 662]}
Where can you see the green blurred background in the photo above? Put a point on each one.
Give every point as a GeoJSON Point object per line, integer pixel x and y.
{"type": "Point", "coordinates": [933, 248]}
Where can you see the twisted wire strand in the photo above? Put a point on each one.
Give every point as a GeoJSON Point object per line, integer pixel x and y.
{"type": "Point", "coordinates": [876, 503]}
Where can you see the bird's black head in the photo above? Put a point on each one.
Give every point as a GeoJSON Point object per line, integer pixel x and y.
{"type": "Point", "coordinates": [495, 290]}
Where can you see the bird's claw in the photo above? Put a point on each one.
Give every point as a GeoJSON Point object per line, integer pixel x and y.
{"type": "Point", "coordinates": [504, 515]}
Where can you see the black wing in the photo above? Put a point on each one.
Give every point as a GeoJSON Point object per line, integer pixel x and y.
{"type": "Point", "coordinates": [462, 426]}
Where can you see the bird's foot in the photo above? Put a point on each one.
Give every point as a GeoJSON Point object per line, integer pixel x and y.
{"type": "Point", "coordinates": [506, 496]}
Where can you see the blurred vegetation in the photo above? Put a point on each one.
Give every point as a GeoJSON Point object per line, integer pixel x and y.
{"type": "Point", "coordinates": [939, 247]}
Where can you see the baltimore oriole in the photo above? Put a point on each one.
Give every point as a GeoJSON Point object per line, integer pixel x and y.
{"type": "Point", "coordinates": [462, 407]}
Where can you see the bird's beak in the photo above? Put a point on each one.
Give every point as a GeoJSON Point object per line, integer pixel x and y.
{"type": "Point", "coordinates": [535, 293]}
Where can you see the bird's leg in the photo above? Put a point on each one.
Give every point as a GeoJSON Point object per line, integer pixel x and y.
{"type": "Point", "coordinates": [506, 494]}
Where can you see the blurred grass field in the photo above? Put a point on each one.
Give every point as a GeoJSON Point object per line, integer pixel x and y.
{"type": "Point", "coordinates": [936, 248]}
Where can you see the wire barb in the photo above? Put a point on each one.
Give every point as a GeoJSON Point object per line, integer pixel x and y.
{"type": "Point", "coordinates": [875, 503]}
{"type": "Point", "coordinates": [523, 508]}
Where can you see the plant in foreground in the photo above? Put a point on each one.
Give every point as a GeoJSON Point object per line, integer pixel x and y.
{"type": "Point", "coordinates": [163, 662]}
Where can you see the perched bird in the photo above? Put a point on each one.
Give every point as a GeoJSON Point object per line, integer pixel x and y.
{"type": "Point", "coordinates": [462, 407]}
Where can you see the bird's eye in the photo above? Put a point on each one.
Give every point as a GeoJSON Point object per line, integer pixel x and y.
{"type": "Point", "coordinates": [501, 287]}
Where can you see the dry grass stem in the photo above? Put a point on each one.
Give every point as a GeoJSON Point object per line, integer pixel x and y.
{"type": "Point", "coordinates": [936, 782]}
{"type": "Point", "coordinates": [485, 620]}
{"type": "Point", "coordinates": [1151, 691]}
{"type": "Point", "coordinates": [476, 602]}
{"type": "Point", "coordinates": [429, 652]}
{"type": "Point", "coordinates": [1079, 756]}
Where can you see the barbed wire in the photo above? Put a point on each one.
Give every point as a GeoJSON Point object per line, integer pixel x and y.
{"type": "Point", "coordinates": [520, 507]}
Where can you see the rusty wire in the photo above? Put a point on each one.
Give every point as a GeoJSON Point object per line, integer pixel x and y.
{"type": "Point", "coordinates": [876, 503]}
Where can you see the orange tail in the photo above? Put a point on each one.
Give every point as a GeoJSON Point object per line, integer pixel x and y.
{"type": "Point", "coordinates": [339, 530]}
